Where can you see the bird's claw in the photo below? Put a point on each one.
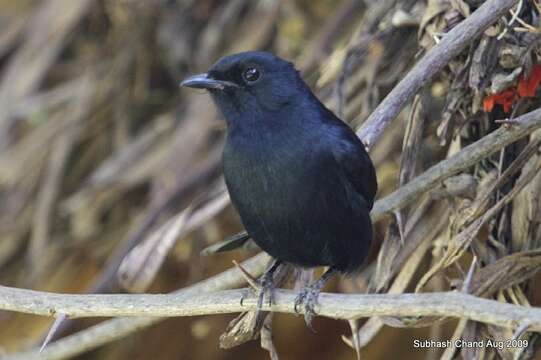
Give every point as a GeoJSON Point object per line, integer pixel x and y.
{"type": "Point", "coordinates": [307, 297]}
{"type": "Point", "coordinates": [245, 294]}
{"type": "Point", "coordinates": [266, 286]}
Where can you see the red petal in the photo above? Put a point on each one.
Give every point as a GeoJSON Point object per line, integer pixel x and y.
{"type": "Point", "coordinates": [528, 87]}
{"type": "Point", "coordinates": [488, 103]}
{"type": "Point", "coordinates": [504, 98]}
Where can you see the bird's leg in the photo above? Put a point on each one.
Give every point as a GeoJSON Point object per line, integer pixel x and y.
{"type": "Point", "coordinates": [308, 297]}
{"type": "Point", "coordinates": [266, 284]}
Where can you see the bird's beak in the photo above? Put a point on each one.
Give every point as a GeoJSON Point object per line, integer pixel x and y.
{"type": "Point", "coordinates": [204, 81]}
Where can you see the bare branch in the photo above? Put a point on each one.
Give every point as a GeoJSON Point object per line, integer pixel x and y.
{"type": "Point", "coordinates": [118, 328]}
{"type": "Point", "coordinates": [337, 306]}
{"type": "Point", "coordinates": [436, 59]}
{"type": "Point", "coordinates": [468, 156]}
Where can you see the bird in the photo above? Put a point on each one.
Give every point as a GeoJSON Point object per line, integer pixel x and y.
{"type": "Point", "coordinates": [298, 176]}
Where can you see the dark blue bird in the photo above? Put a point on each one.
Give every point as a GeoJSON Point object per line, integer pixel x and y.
{"type": "Point", "coordinates": [298, 176]}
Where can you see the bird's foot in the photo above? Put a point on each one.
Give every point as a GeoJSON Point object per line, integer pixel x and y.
{"type": "Point", "coordinates": [263, 286]}
{"type": "Point", "coordinates": [266, 287]}
{"type": "Point", "coordinates": [246, 293]}
{"type": "Point", "coordinates": [307, 297]}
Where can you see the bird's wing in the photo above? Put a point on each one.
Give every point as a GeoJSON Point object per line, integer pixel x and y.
{"type": "Point", "coordinates": [353, 159]}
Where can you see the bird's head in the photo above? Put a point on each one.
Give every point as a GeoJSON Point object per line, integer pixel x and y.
{"type": "Point", "coordinates": [249, 84]}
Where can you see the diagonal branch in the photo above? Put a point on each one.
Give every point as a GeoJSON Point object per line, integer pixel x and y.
{"type": "Point", "coordinates": [435, 60]}
{"type": "Point", "coordinates": [466, 157]}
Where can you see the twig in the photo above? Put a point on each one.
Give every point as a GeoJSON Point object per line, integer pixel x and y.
{"type": "Point", "coordinates": [337, 306]}
{"type": "Point", "coordinates": [252, 281]}
{"type": "Point", "coordinates": [521, 330]}
{"type": "Point", "coordinates": [434, 60]}
{"type": "Point", "coordinates": [466, 286]}
{"type": "Point", "coordinates": [54, 328]}
{"type": "Point", "coordinates": [513, 18]}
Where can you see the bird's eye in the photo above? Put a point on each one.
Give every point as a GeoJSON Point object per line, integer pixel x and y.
{"type": "Point", "coordinates": [251, 75]}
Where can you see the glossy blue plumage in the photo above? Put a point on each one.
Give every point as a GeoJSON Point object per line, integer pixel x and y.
{"type": "Point", "coordinates": [298, 176]}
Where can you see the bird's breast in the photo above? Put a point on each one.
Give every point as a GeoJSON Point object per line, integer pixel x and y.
{"type": "Point", "coordinates": [261, 167]}
{"type": "Point", "coordinates": [295, 203]}
{"type": "Point", "coordinates": [269, 171]}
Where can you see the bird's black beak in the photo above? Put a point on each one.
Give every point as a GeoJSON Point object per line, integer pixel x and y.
{"type": "Point", "coordinates": [204, 81]}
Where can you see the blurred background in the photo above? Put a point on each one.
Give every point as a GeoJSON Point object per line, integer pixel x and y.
{"type": "Point", "coordinates": [100, 151]}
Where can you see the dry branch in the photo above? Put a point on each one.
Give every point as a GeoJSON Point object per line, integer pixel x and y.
{"type": "Point", "coordinates": [337, 306]}
{"type": "Point", "coordinates": [435, 60]}
{"type": "Point", "coordinates": [462, 160]}
{"type": "Point", "coordinates": [118, 328]}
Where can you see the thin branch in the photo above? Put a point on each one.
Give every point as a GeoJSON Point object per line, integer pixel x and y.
{"type": "Point", "coordinates": [337, 306]}
{"type": "Point", "coordinates": [435, 59]}
{"type": "Point", "coordinates": [468, 156]}
{"type": "Point", "coordinates": [54, 328]}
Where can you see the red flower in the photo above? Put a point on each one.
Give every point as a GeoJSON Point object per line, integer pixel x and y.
{"type": "Point", "coordinates": [504, 98]}
{"type": "Point", "coordinates": [527, 87]}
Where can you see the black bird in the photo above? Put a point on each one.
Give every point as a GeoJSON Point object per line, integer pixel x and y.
{"type": "Point", "coordinates": [298, 176]}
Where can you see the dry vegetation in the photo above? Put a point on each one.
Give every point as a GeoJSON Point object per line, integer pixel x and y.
{"type": "Point", "coordinates": [110, 176]}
